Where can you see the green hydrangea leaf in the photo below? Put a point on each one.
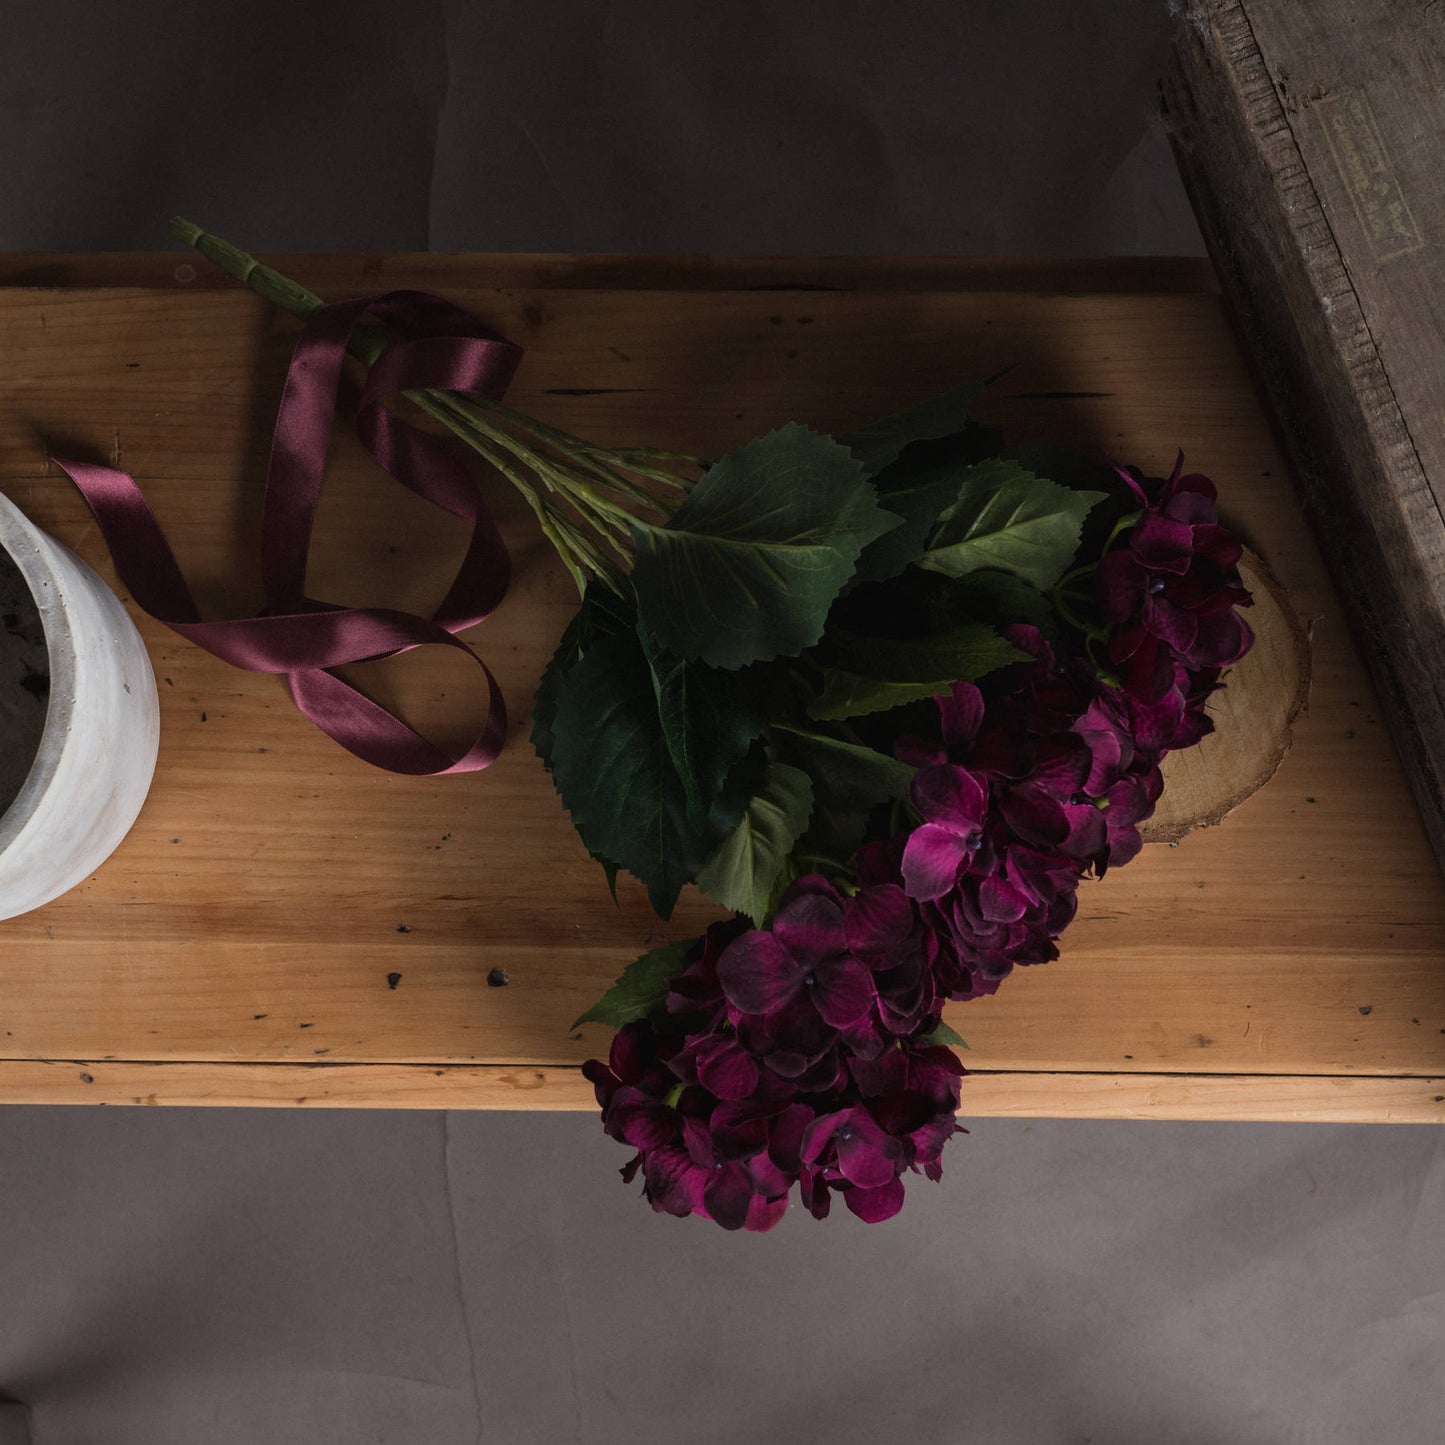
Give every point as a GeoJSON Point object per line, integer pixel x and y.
{"type": "Point", "coordinates": [940, 416]}
{"type": "Point", "coordinates": [642, 989]}
{"type": "Point", "coordinates": [849, 781]}
{"type": "Point", "coordinates": [967, 652]}
{"type": "Point", "coordinates": [942, 1035]}
{"type": "Point", "coordinates": [1001, 598]}
{"type": "Point", "coordinates": [613, 768]}
{"type": "Point", "coordinates": [708, 720]}
{"type": "Point", "coordinates": [848, 694]}
{"type": "Point", "coordinates": [743, 873]}
{"type": "Point", "coordinates": [603, 613]}
{"type": "Point", "coordinates": [845, 771]}
{"type": "Point", "coordinates": [918, 486]}
{"type": "Point", "coordinates": [1010, 519]}
{"type": "Point", "coordinates": [748, 566]}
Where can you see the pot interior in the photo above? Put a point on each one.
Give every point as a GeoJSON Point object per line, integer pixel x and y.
{"type": "Point", "coordinates": [24, 680]}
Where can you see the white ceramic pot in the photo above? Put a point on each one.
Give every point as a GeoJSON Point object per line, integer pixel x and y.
{"type": "Point", "coordinates": [97, 752]}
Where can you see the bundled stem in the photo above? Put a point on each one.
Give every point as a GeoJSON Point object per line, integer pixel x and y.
{"type": "Point", "coordinates": [585, 497]}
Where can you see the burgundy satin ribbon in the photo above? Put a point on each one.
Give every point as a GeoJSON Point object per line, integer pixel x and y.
{"type": "Point", "coordinates": [444, 350]}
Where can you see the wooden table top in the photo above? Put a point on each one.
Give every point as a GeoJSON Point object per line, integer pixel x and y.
{"type": "Point", "coordinates": [285, 925]}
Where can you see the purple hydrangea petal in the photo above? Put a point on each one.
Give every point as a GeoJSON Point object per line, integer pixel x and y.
{"type": "Point", "coordinates": [1222, 641]}
{"type": "Point", "coordinates": [810, 926]}
{"type": "Point", "coordinates": [960, 714]}
{"type": "Point", "coordinates": [1155, 722]}
{"type": "Point", "coordinates": [763, 1213]}
{"type": "Point", "coordinates": [1218, 544]}
{"type": "Point", "coordinates": [1063, 765]}
{"type": "Point", "coordinates": [794, 1029]}
{"type": "Point", "coordinates": [1106, 746]}
{"type": "Point", "coordinates": [697, 1140]}
{"type": "Point", "coordinates": [1194, 482]}
{"type": "Point", "coordinates": [1034, 816]}
{"type": "Point", "coordinates": [768, 1180]}
{"type": "Point", "coordinates": [727, 1194]}
{"type": "Point", "coordinates": [726, 1069]}
{"type": "Point", "coordinates": [819, 1134]}
{"type": "Point", "coordinates": [641, 1121]}
{"type": "Point", "coordinates": [1088, 831]}
{"type": "Point", "coordinates": [950, 795]}
{"type": "Point", "coordinates": [1003, 748]}
{"type": "Point", "coordinates": [758, 975]}
{"type": "Point", "coordinates": [878, 920]}
{"type": "Point", "coordinates": [1121, 580]}
{"type": "Point", "coordinates": [1152, 672]}
{"type": "Point", "coordinates": [1027, 638]}
{"type": "Point", "coordinates": [932, 859]}
{"type": "Point", "coordinates": [673, 1182]}
{"type": "Point", "coordinates": [785, 1137]}
{"type": "Point", "coordinates": [880, 862]}
{"type": "Point", "coordinates": [866, 1037]}
{"type": "Point", "coordinates": [1194, 508]}
{"type": "Point", "coordinates": [1161, 544]}
{"type": "Point", "coordinates": [999, 901]}
{"type": "Point", "coordinates": [867, 1156]}
{"type": "Point", "coordinates": [738, 1131]}
{"type": "Point", "coordinates": [814, 1191]}
{"type": "Point", "coordinates": [825, 1075]}
{"type": "Point", "coordinates": [632, 1051]}
{"type": "Point", "coordinates": [842, 992]}
{"type": "Point", "coordinates": [918, 751]}
{"type": "Point", "coordinates": [1125, 844]}
{"type": "Point", "coordinates": [873, 1206]}
{"type": "Point", "coordinates": [1169, 623]}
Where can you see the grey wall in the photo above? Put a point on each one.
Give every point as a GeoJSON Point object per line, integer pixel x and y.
{"type": "Point", "coordinates": [419, 1279]}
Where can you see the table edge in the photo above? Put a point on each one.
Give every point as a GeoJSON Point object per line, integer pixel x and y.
{"type": "Point", "coordinates": [1321, 1098]}
{"type": "Point", "coordinates": [372, 271]}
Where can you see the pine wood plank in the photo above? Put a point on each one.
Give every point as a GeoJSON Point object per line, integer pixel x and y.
{"type": "Point", "coordinates": [1282, 1098]}
{"type": "Point", "coordinates": [251, 922]}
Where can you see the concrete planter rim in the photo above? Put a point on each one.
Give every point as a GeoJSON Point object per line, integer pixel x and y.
{"type": "Point", "coordinates": [92, 770]}
{"type": "Point", "coordinates": [17, 541]}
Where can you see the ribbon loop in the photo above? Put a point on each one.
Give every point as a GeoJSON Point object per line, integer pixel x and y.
{"type": "Point", "coordinates": [441, 348]}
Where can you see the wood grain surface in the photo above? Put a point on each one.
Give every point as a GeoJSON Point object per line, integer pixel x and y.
{"type": "Point", "coordinates": [287, 925]}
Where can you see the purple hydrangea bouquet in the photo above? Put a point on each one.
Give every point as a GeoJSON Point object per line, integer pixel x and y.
{"type": "Point", "coordinates": [886, 697]}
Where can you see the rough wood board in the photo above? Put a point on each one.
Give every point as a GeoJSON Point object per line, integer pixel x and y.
{"type": "Point", "coordinates": [265, 933]}
{"type": "Point", "coordinates": [1309, 137]}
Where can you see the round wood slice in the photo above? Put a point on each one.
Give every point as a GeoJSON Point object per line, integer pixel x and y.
{"type": "Point", "coordinates": [1253, 716]}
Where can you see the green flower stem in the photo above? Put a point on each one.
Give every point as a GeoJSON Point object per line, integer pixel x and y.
{"type": "Point", "coordinates": [554, 528]}
{"type": "Point", "coordinates": [1089, 569]}
{"type": "Point", "coordinates": [579, 462]}
{"type": "Point", "coordinates": [1076, 619]}
{"type": "Point", "coordinates": [588, 454]}
{"type": "Point", "coordinates": [661, 454]}
{"type": "Point", "coordinates": [592, 479]}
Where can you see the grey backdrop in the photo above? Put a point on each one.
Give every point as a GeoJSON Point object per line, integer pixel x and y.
{"type": "Point", "coordinates": [420, 1279]}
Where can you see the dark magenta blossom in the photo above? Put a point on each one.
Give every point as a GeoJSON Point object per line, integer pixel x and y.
{"type": "Point", "coordinates": [1176, 579]}
{"type": "Point", "coordinates": [954, 805]}
{"type": "Point", "coordinates": [792, 1054]}
{"type": "Point", "coordinates": [735, 1161]}
{"type": "Point", "coordinates": [803, 956]}
{"type": "Point", "coordinates": [906, 1115]}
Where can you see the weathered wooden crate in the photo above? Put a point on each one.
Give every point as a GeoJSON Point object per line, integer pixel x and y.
{"type": "Point", "coordinates": [1312, 140]}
